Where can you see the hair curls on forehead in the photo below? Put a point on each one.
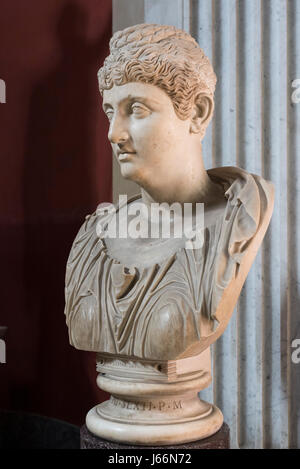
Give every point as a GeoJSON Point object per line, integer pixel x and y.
{"type": "Point", "coordinates": [163, 56]}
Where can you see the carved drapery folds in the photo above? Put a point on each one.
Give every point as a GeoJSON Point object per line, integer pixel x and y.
{"type": "Point", "coordinates": [159, 311]}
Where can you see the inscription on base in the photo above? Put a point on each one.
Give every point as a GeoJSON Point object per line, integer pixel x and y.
{"type": "Point", "coordinates": [147, 405]}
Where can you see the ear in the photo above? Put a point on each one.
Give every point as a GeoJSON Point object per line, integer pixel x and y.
{"type": "Point", "coordinates": [201, 113]}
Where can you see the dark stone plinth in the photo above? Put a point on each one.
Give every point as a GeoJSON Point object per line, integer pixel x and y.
{"type": "Point", "coordinates": [20, 430]}
{"type": "Point", "coordinates": [219, 440]}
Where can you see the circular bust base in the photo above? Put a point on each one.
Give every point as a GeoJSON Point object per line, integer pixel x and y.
{"type": "Point", "coordinates": [157, 434]}
{"type": "Point", "coordinates": [220, 440]}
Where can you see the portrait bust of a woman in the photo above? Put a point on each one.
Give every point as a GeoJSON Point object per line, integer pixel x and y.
{"type": "Point", "coordinates": [153, 298]}
{"type": "Point", "coordinates": [151, 305]}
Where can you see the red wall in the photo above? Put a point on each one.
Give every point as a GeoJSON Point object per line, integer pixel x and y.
{"type": "Point", "coordinates": [55, 168]}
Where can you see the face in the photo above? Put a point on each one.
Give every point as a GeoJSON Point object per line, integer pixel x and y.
{"type": "Point", "coordinates": [147, 138]}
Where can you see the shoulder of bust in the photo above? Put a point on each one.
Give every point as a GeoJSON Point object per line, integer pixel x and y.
{"type": "Point", "coordinates": [95, 222]}
{"type": "Point", "coordinates": [251, 190]}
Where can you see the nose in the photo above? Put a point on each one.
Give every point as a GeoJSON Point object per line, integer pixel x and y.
{"type": "Point", "coordinates": [118, 132]}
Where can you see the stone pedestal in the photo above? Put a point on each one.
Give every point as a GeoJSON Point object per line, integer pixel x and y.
{"type": "Point", "coordinates": [220, 440]}
{"type": "Point", "coordinates": [154, 403]}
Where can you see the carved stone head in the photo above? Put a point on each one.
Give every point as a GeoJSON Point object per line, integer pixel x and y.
{"type": "Point", "coordinates": [166, 57]}
{"type": "Point", "coordinates": [158, 87]}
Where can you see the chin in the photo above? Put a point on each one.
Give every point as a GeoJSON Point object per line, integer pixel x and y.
{"type": "Point", "coordinates": [129, 172]}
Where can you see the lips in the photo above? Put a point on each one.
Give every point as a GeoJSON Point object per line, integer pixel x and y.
{"type": "Point", "coordinates": [124, 155]}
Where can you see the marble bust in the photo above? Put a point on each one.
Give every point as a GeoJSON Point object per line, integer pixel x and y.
{"type": "Point", "coordinates": [149, 307]}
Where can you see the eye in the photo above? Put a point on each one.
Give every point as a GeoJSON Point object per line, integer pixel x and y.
{"type": "Point", "coordinates": [109, 114]}
{"type": "Point", "coordinates": [139, 110]}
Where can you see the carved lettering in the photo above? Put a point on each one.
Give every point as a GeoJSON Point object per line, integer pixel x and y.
{"type": "Point", "coordinates": [177, 405]}
{"type": "Point", "coordinates": [146, 405]}
{"type": "Point", "coordinates": [161, 405]}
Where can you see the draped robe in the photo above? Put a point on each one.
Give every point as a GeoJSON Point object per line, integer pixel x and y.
{"type": "Point", "coordinates": [157, 312]}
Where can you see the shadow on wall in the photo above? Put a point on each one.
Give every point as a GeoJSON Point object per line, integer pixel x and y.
{"type": "Point", "coordinates": [58, 191]}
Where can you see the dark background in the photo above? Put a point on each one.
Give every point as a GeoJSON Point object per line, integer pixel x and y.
{"type": "Point", "coordinates": [55, 169]}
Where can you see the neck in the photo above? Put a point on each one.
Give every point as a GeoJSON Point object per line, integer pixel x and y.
{"type": "Point", "coordinates": [189, 183]}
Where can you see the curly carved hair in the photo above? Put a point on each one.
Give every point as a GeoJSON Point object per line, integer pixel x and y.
{"type": "Point", "coordinates": [163, 56]}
